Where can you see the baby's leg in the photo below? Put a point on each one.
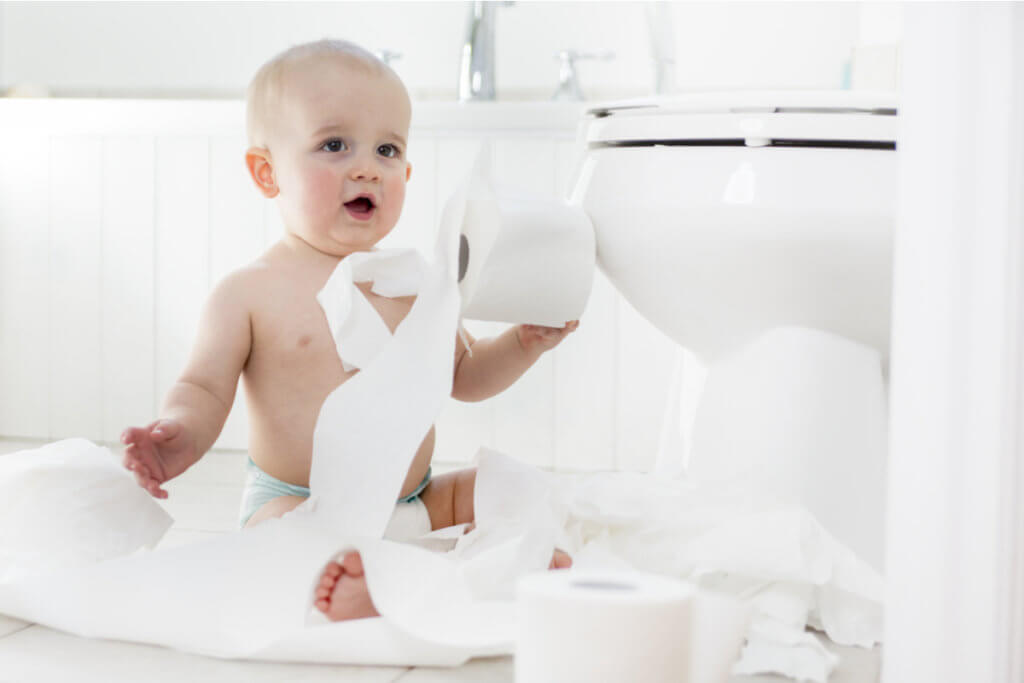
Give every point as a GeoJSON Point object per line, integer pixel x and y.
{"type": "Point", "coordinates": [449, 501]}
{"type": "Point", "coordinates": [342, 593]}
{"type": "Point", "coordinates": [449, 498]}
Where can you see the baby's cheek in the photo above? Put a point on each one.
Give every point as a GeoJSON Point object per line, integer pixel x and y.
{"type": "Point", "coordinates": [321, 192]}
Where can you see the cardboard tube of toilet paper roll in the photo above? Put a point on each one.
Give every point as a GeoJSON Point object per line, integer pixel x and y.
{"type": "Point", "coordinates": [602, 626]}
{"type": "Point", "coordinates": [523, 259]}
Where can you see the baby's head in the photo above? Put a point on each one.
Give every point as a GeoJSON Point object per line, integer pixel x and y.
{"type": "Point", "coordinates": [328, 123]}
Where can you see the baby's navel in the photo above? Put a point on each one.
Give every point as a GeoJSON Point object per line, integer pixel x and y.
{"type": "Point", "coordinates": [304, 340]}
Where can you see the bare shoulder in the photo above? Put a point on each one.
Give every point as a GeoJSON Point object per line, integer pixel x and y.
{"type": "Point", "coordinates": [246, 286]}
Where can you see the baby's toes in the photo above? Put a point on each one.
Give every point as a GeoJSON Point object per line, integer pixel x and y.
{"type": "Point", "coordinates": [353, 564]}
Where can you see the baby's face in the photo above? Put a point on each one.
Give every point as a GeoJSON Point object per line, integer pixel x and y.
{"type": "Point", "coordinates": [341, 135]}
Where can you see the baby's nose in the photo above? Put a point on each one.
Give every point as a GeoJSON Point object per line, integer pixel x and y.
{"type": "Point", "coordinates": [365, 170]}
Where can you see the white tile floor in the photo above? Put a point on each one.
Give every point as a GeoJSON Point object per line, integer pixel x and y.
{"type": "Point", "coordinates": [204, 501]}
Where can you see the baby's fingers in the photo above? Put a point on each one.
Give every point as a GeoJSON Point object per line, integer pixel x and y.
{"type": "Point", "coordinates": [133, 435]}
{"type": "Point", "coordinates": [146, 481]}
{"type": "Point", "coordinates": [165, 430]}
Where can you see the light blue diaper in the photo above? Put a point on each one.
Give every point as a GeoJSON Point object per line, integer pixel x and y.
{"type": "Point", "coordinates": [260, 487]}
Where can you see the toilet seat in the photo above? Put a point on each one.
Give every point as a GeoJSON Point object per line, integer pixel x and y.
{"type": "Point", "coordinates": [753, 118]}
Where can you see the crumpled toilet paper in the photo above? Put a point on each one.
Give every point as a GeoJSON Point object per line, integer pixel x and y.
{"type": "Point", "coordinates": [249, 594]}
{"type": "Point", "coordinates": [68, 504]}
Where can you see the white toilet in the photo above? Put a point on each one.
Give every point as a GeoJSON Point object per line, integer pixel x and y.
{"type": "Point", "coordinates": [738, 223]}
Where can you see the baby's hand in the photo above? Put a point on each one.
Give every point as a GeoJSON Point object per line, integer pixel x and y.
{"type": "Point", "coordinates": [157, 453]}
{"type": "Point", "coordinates": [533, 337]}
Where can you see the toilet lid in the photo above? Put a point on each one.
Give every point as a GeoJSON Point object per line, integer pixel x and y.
{"type": "Point", "coordinates": [808, 118]}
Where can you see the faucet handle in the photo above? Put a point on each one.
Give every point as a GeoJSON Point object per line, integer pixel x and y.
{"type": "Point", "coordinates": [572, 55]}
{"type": "Point", "coordinates": [568, 83]}
{"type": "Point", "coordinates": [385, 55]}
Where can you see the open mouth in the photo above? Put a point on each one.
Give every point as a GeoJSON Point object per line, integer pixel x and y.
{"type": "Point", "coordinates": [360, 207]}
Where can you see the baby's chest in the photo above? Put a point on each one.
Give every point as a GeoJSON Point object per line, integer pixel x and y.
{"type": "Point", "coordinates": [292, 333]}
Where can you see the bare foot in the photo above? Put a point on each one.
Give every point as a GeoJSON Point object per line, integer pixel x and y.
{"type": "Point", "coordinates": [342, 593]}
{"type": "Point", "coordinates": [560, 560]}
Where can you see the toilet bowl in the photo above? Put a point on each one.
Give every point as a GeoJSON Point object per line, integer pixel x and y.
{"type": "Point", "coordinates": [724, 218]}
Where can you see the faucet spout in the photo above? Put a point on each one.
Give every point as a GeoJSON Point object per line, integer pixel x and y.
{"type": "Point", "coordinates": [476, 69]}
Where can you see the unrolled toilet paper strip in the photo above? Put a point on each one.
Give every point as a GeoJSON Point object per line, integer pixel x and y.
{"type": "Point", "coordinates": [359, 332]}
{"type": "Point", "coordinates": [604, 627]}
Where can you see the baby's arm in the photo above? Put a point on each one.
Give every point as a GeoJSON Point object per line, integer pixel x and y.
{"type": "Point", "coordinates": [198, 404]}
{"type": "Point", "coordinates": [494, 364]}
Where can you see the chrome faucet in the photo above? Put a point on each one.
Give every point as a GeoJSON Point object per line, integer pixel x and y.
{"type": "Point", "coordinates": [476, 70]}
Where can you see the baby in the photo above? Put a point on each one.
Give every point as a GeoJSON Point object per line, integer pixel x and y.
{"type": "Point", "coordinates": [328, 124]}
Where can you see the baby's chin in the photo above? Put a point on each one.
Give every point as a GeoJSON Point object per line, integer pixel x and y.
{"type": "Point", "coordinates": [347, 240]}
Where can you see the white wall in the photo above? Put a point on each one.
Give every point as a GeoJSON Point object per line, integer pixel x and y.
{"type": "Point", "coordinates": [212, 48]}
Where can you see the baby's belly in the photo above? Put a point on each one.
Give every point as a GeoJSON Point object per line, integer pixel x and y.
{"type": "Point", "coordinates": [281, 435]}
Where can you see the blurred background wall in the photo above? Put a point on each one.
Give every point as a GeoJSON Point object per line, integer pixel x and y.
{"type": "Point", "coordinates": [210, 49]}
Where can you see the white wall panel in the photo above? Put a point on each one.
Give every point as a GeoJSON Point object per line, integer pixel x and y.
{"type": "Point", "coordinates": [182, 247]}
{"type": "Point", "coordinates": [127, 277]}
{"type": "Point", "coordinates": [24, 283]}
{"type": "Point", "coordinates": [74, 287]}
{"type": "Point", "coordinates": [236, 239]}
{"type": "Point", "coordinates": [585, 373]}
{"type": "Point", "coordinates": [644, 361]}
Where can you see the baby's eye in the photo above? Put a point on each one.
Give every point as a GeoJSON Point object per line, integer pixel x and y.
{"type": "Point", "coordinates": [334, 145]}
{"type": "Point", "coordinates": [390, 151]}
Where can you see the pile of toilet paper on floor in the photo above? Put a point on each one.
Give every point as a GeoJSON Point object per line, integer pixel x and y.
{"type": "Point", "coordinates": [75, 530]}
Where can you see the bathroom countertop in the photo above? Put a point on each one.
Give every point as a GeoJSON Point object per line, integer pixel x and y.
{"type": "Point", "coordinates": [68, 116]}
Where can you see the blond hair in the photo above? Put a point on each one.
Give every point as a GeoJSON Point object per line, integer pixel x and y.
{"type": "Point", "coordinates": [263, 95]}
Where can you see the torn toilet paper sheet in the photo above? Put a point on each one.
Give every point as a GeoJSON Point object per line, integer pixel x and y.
{"type": "Point", "coordinates": [69, 504]}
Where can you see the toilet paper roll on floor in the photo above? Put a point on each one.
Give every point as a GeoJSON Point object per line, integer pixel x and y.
{"type": "Point", "coordinates": [603, 627]}
{"type": "Point", "coordinates": [522, 259]}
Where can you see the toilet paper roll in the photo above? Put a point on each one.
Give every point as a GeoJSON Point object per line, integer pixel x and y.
{"type": "Point", "coordinates": [523, 259]}
{"type": "Point", "coordinates": [612, 627]}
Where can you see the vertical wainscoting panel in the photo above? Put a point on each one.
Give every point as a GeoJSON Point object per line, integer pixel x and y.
{"type": "Point", "coordinates": [24, 283]}
{"type": "Point", "coordinates": [585, 365]}
{"type": "Point", "coordinates": [524, 414]}
{"type": "Point", "coordinates": [74, 350]}
{"type": "Point", "coordinates": [236, 239]}
{"type": "Point", "coordinates": [182, 249]}
{"type": "Point", "coordinates": [646, 358]}
{"type": "Point", "coordinates": [126, 289]}
{"type": "Point", "coordinates": [584, 378]}
{"type": "Point", "coordinates": [462, 427]}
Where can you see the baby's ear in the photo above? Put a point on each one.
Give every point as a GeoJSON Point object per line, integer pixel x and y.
{"type": "Point", "coordinates": [261, 168]}
{"type": "Point", "coordinates": [408, 172]}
